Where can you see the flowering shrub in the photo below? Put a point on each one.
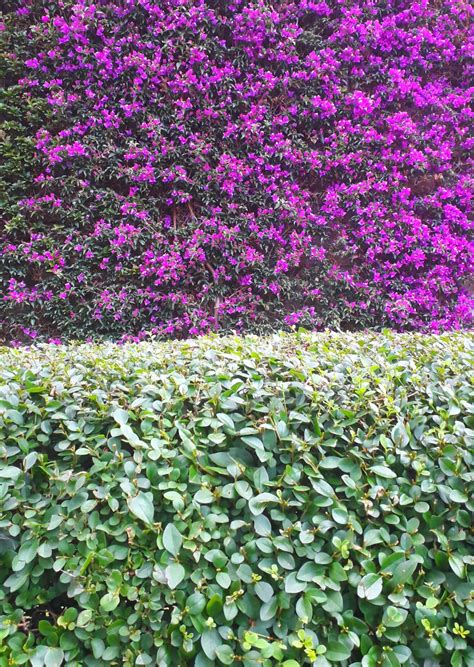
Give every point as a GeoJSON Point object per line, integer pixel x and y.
{"type": "Point", "coordinates": [182, 166]}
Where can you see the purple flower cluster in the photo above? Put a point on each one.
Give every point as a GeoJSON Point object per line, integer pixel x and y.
{"type": "Point", "coordinates": [211, 164]}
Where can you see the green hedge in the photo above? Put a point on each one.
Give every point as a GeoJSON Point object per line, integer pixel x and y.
{"type": "Point", "coordinates": [302, 499]}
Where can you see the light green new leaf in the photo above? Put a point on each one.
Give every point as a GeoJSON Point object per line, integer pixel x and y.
{"type": "Point", "coordinates": [110, 601]}
{"type": "Point", "coordinates": [394, 616]}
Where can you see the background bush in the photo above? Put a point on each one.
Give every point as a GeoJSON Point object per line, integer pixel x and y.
{"type": "Point", "coordinates": [192, 165]}
{"type": "Point", "coordinates": [288, 501]}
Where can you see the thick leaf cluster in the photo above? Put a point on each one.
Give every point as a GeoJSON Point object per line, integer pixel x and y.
{"type": "Point", "coordinates": [296, 500]}
{"type": "Point", "coordinates": [187, 166]}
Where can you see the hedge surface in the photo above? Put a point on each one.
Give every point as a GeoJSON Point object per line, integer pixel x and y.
{"type": "Point", "coordinates": [301, 499]}
{"type": "Point", "coordinates": [186, 166]}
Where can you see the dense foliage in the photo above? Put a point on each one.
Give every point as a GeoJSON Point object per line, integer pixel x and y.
{"type": "Point", "coordinates": [287, 501]}
{"type": "Point", "coordinates": [189, 165]}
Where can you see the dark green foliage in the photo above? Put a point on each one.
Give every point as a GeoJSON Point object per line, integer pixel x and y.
{"type": "Point", "coordinates": [22, 114]}
{"type": "Point", "coordinates": [287, 501]}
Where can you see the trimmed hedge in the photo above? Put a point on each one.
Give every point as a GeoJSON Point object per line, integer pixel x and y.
{"type": "Point", "coordinates": [294, 500]}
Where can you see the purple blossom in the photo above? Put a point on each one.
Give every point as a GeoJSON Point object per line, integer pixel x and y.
{"type": "Point", "coordinates": [216, 164]}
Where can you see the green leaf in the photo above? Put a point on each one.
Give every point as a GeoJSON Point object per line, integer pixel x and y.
{"type": "Point", "coordinates": [334, 602]}
{"type": "Point", "coordinates": [225, 419]}
{"type": "Point", "coordinates": [456, 563]}
{"type": "Point", "coordinates": [308, 572]}
{"type": "Point", "coordinates": [208, 514]}
{"type": "Point", "coordinates": [130, 435]}
{"type": "Point", "coordinates": [33, 388]}
{"type": "Point", "coordinates": [269, 609]}
{"type": "Point", "coordinates": [225, 654]}
{"type": "Point", "coordinates": [337, 652]}
{"type": "Point", "coordinates": [223, 579]}
{"type": "Point", "coordinates": [264, 591]}
{"type": "Point", "coordinates": [176, 499]}
{"type": "Point", "coordinates": [204, 497]}
{"type": "Point", "coordinates": [254, 442]}
{"type": "Point", "coordinates": [244, 489]}
{"type": "Point", "coordinates": [175, 574]}
{"type": "Point", "coordinates": [400, 435]}
{"type": "Point", "coordinates": [98, 648]}
{"type": "Point", "coordinates": [214, 605]}
{"type": "Point", "coordinates": [370, 586]}
{"type": "Point", "coordinates": [210, 641]}
{"type": "Point", "coordinates": [10, 472]}
{"type": "Point", "coordinates": [304, 609]}
{"type": "Point", "coordinates": [26, 554]}
{"type": "Point", "coordinates": [203, 661]}
{"type": "Point", "coordinates": [30, 460]}
{"type": "Point", "coordinates": [172, 539]}
{"type": "Point", "coordinates": [7, 543]}
{"type": "Point", "coordinates": [110, 601]}
{"type": "Point", "coordinates": [294, 585]}
{"type": "Point", "coordinates": [120, 416]}
{"type": "Point", "coordinates": [394, 616]}
{"type": "Point", "coordinates": [403, 653]}
{"type": "Point", "coordinates": [46, 628]}
{"type": "Point", "coordinates": [323, 488]}
{"type": "Point", "coordinates": [383, 471]}
{"type": "Point", "coordinates": [16, 581]}
{"type": "Point", "coordinates": [340, 515]}
{"type": "Point", "coordinates": [258, 503]}
{"type": "Point", "coordinates": [47, 656]}
{"type": "Point", "coordinates": [16, 417]}
{"type": "Point", "coordinates": [458, 496]}
{"type": "Point", "coordinates": [84, 618]}
{"type": "Point", "coordinates": [196, 603]}
{"type": "Point", "coordinates": [403, 572]}
{"type": "Point", "coordinates": [142, 507]}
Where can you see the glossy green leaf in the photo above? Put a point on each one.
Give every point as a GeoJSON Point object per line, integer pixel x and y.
{"type": "Point", "coordinates": [142, 507]}
{"type": "Point", "coordinates": [172, 539]}
{"type": "Point", "coordinates": [225, 655]}
{"type": "Point", "coordinates": [210, 641]}
{"type": "Point", "coordinates": [175, 574]}
{"type": "Point", "coordinates": [370, 586]}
